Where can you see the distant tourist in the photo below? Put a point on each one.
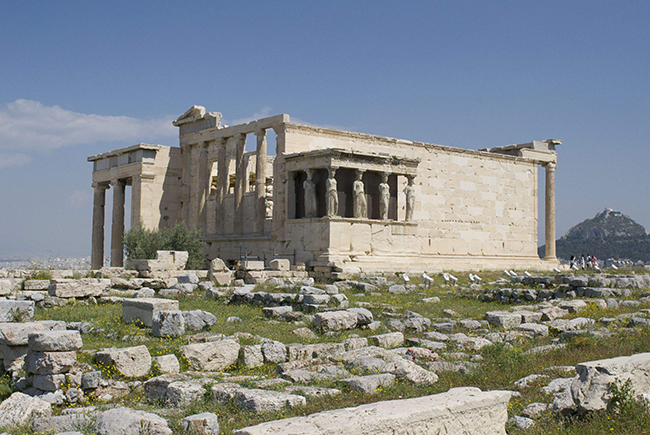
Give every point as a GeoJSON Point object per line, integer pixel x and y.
{"type": "Point", "coordinates": [594, 262]}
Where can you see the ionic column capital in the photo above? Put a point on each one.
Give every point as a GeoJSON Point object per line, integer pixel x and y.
{"type": "Point", "coordinates": [551, 166]}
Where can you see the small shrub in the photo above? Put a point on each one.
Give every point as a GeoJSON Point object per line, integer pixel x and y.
{"type": "Point", "coordinates": [623, 398]}
{"type": "Point", "coordinates": [142, 243]}
{"type": "Point", "coordinates": [5, 387]}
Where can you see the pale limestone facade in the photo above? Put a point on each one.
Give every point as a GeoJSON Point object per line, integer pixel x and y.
{"type": "Point", "coordinates": [427, 207]}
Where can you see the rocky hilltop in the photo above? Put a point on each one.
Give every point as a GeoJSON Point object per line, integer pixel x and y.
{"type": "Point", "coordinates": [609, 234]}
{"type": "Point", "coordinates": [606, 225]}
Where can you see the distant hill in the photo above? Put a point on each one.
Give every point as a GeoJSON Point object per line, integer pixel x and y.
{"type": "Point", "coordinates": [610, 234]}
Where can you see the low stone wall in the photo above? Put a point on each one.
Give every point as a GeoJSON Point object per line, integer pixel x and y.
{"type": "Point", "coordinates": [460, 411]}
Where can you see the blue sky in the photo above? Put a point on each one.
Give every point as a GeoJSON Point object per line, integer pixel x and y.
{"type": "Point", "coordinates": [80, 78]}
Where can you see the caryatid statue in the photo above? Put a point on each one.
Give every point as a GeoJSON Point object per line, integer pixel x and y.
{"type": "Point", "coordinates": [310, 195]}
{"type": "Point", "coordinates": [409, 190]}
{"type": "Point", "coordinates": [384, 197]}
{"type": "Point", "coordinates": [332, 193]}
{"type": "Point", "coordinates": [360, 203]}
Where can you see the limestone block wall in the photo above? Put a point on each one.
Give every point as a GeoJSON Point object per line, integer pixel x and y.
{"type": "Point", "coordinates": [468, 203]}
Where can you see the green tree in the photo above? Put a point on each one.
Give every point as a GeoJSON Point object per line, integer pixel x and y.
{"type": "Point", "coordinates": [142, 243]}
{"type": "Point", "coordinates": [182, 238]}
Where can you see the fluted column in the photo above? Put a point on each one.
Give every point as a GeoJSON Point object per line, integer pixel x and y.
{"type": "Point", "coordinates": [260, 180]}
{"type": "Point", "coordinates": [99, 201]}
{"type": "Point", "coordinates": [203, 185]}
{"type": "Point", "coordinates": [240, 183]}
{"type": "Point", "coordinates": [117, 227]}
{"type": "Point", "coordinates": [222, 185]}
{"type": "Point", "coordinates": [550, 212]}
{"type": "Point", "coordinates": [194, 199]}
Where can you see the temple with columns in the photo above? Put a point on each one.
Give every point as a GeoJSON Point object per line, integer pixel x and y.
{"type": "Point", "coordinates": [335, 201]}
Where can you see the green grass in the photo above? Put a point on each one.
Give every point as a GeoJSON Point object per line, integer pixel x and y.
{"type": "Point", "coordinates": [500, 367]}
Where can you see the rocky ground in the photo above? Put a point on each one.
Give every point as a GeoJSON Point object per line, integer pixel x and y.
{"type": "Point", "coordinates": [116, 353]}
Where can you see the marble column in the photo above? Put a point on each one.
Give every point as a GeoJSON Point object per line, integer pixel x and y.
{"type": "Point", "coordinates": [222, 184]}
{"type": "Point", "coordinates": [186, 151]}
{"type": "Point", "coordinates": [99, 201]}
{"type": "Point", "coordinates": [136, 201]}
{"type": "Point", "coordinates": [194, 199]}
{"type": "Point", "coordinates": [240, 182]}
{"type": "Point", "coordinates": [203, 185]}
{"type": "Point", "coordinates": [260, 181]}
{"type": "Point", "coordinates": [117, 227]}
{"type": "Point", "coordinates": [550, 212]}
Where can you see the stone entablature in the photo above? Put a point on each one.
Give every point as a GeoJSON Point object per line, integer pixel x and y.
{"type": "Point", "coordinates": [350, 201]}
{"type": "Point", "coordinates": [140, 153]}
{"type": "Point", "coordinates": [342, 158]}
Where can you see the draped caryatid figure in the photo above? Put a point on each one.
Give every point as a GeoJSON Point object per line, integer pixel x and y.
{"type": "Point", "coordinates": [332, 193]}
{"type": "Point", "coordinates": [360, 202]}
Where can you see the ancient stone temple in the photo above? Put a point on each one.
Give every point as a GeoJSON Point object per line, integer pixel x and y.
{"type": "Point", "coordinates": [333, 200]}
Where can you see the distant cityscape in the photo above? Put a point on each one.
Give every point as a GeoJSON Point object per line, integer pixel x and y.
{"type": "Point", "coordinates": [41, 262]}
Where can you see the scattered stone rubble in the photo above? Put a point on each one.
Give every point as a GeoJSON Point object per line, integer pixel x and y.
{"type": "Point", "coordinates": [41, 356]}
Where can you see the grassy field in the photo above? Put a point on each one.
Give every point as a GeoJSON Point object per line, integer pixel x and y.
{"type": "Point", "coordinates": [499, 365]}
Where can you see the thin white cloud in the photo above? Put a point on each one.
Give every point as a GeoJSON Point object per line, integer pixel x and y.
{"type": "Point", "coordinates": [263, 113]}
{"type": "Point", "coordinates": [79, 198]}
{"type": "Point", "coordinates": [7, 160]}
{"type": "Point", "coordinates": [29, 125]}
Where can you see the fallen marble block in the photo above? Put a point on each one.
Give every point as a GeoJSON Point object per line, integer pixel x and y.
{"type": "Point", "coordinates": [466, 410]}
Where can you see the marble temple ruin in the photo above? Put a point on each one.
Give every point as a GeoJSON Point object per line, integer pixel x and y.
{"type": "Point", "coordinates": [335, 201]}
